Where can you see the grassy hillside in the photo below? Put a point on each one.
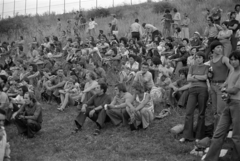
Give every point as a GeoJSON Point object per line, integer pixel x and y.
{"type": "Point", "coordinates": [44, 25]}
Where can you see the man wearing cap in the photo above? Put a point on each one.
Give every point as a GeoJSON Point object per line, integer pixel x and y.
{"type": "Point", "coordinates": [221, 69]}
{"type": "Point", "coordinates": [195, 41]}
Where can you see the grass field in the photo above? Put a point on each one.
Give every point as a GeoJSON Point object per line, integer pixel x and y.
{"type": "Point", "coordinates": [56, 143]}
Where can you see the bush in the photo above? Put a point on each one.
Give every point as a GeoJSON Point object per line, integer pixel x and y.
{"type": "Point", "coordinates": [15, 23]}
{"type": "Point", "coordinates": [160, 7]}
{"type": "Point", "coordinates": [100, 12]}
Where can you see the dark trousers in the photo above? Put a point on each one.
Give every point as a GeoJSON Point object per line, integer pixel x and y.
{"type": "Point", "coordinates": [136, 35]}
{"type": "Point", "coordinates": [155, 33]}
{"type": "Point", "coordinates": [99, 117]}
{"type": "Point", "coordinates": [208, 49]}
{"type": "Point", "coordinates": [234, 41]}
{"type": "Point", "coordinates": [229, 116]}
{"type": "Point", "coordinates": [28, 127]}
{"type": "Point", "coordinates": [180, 98]}
{"type": "Point", "coordinates": [196, 95]}
{"type": "Point", "coordinates": [118, 116]}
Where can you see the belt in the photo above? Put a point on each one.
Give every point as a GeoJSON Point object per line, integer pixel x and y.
{"type": "Point", "coordinates": [217, 81]}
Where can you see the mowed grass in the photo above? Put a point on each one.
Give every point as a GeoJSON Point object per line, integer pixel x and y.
{"type": "Point", "coordinates": [56, 143]}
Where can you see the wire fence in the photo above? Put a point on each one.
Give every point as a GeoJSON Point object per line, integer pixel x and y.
{"type": "Point", "coordinates": [11, 8]}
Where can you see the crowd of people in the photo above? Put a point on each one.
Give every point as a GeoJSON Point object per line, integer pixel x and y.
{"type": "Point", "coordinates": [151, 67]}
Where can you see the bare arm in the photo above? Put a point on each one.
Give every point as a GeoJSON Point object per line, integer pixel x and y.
{"type": "Point", "coordinates": [139, 107]}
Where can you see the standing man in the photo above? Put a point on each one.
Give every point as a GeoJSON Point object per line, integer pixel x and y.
{"type": "Point", "coordinates": [221, 69]}
{"type": "Point", "coordinates": [230, 115]}
{"type": "Point", "coordinates": [136, 30]}
{"type": "Point", "coordinates": [94, 109]}
{"type": "Point", "coordinates": [114, 25]}
{"type": "Point", "coordinates": [185, 28]}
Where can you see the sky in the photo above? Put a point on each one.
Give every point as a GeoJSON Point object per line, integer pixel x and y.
{"type": "Point", "coordinates": [57, 6]}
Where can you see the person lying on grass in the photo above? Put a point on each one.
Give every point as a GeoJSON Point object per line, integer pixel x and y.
{"type": "Point", "coordinates": [94, 109]}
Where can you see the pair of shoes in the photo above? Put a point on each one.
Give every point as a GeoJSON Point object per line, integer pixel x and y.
{"type": "Point", "coordinates": [60, 109]}
{"type": "Point", "coordinates": [182, 140]}
{"type": "Point", "coordinates": [163, 113]}
{"type": "Point", "coordinates": [96, 132]}
{"type": "Point", "coordinates": [76, 130]}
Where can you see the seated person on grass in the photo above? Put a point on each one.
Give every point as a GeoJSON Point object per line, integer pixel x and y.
{"type": "Point", "coordinates": [129, 69]}
{"type": "Point", "coordinates": [89, 88]}
{"type": "Point", "coordinates": [141, 110]}
{"type": "Point", "coordinates": [179, 91]}
{"type": "Point", "coordinates": [70, 94]}
{"type": "Point", "coordinates": [94, 109]}
{"type": "Point", "coordinates": [117, 109]}
{"type": "Point", "coordinates": [28, 118]}
{"type": "Point", "coordinates": [4, 101]}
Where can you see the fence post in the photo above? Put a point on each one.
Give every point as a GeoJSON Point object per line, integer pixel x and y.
{"type": "Point", "coordinates": [64, 5]}
{"type": "Point", "coordinates": [79, 5]}
{"type": "Point", "coordinates": [113, 3]}
{"type": "Point", "coordinates": [3, 10]}
{"type": "Point", "coordinates": [131, 2]}
{"type": "Point", "coordinates": [36, 7]}
{"type": "Point", "coordinates": [96, 4]}
{"type": "Point", "coordinates": [25, 7]}
{"type": "Point", "coordinates": [14, 8]}
{"type": "Point", "coordinates": [49, 7]}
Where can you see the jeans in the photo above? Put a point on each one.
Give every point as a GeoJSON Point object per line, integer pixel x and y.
{"type": "Point", "coordinates": [229, 116]}
{"type": "Point", "coordinates": [197, 95]}
{"type": "Point", "coordinates": [218, 104]}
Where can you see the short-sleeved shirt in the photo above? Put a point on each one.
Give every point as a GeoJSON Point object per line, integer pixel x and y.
{"type": "Point", "coordinates": [167, 22]}
{"type": "Point", "coordinates": [99, 100]}
{"type": "Point", "coordinates": [4, 100]}
{"type": "Point", "coordinates": [234, 81]}
{"type": "Point", "coordinates": [199, 70]}
{"type": "Point", "coordinates": [232, 23]}
{"type": "Point", "coordinates": [145, 78]}
{"type": "Point", "coordinates": [134, 66]}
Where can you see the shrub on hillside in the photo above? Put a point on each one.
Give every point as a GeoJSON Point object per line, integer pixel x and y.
{"type": "Point", "coordinates": [99, 12]}
{"type": "Point", "coordinates": [160, 7]}
{"type": "Point", "coordinates": [15, 23]}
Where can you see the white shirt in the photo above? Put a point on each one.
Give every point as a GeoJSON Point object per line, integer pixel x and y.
{"type": "Point", "coordinates": [177, 18]}
{"type": "Point", "coordinates": [136, 27]}
{"type": "Point", "coordinates": [92, 24]}
{"type": "Point", "coordinates": [238, 17]}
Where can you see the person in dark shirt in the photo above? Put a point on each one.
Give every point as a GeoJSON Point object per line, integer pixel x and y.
{"type": "Point", "coordinates": [234, 26]}
{"type": "Point", "coordinates": [167, 18]}
{"type": "Point", "coordinates": [179, 59]}
{"type": "Point", "coordinates": [28, 118]}
{"type": "Point", "coordinates": [94, 109]}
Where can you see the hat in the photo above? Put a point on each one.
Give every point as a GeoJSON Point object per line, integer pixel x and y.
{"type": "Point", "coordinates": [215, 44]}
{"type": "Point", "coordinates": [197, 33]}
